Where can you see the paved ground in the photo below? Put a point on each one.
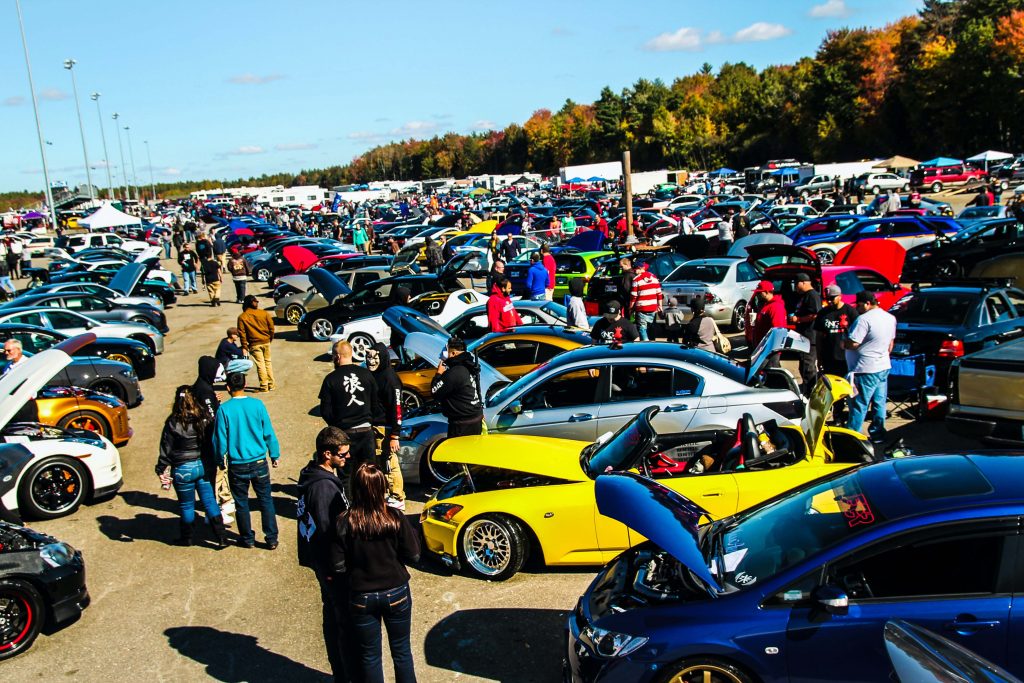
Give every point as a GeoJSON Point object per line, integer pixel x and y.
{"type": "Point", "coordinates": [165, 613]}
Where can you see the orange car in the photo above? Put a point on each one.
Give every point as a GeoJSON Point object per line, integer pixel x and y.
{"type": "Point", "coordinates": [513, 354]}
{"type": "Point", "coordinates": [75, 408]}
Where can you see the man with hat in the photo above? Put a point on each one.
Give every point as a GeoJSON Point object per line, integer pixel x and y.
{"type": "Point", "coordinates": [803, 322]}
{"type": "Point", "coordinates": [772, 313]}
{"type": "Point", "coordinates": [612, 328]}
{"type": "Point", "coordinates": [832, 325]}
{"type": "Point", "coordinates": [868, 346]}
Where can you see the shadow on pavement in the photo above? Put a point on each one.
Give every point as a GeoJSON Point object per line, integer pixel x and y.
{"type": "Point", "coordinates": [529, 640]}
{"type": "Point", "coordinates": [144, 527]}
{"type": "Point", "coordinates": [144, 499]}
{"type": "Point", "coordinates": [288, 335]}
{"type": "Point", "coordinates": [235, 657]}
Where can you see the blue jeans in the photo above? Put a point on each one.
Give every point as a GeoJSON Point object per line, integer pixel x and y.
{"type": "Point", "coordinates": [394, 607]}
{"type": "Point", "coordinates": [188, 281]}
{"type": "Point", "coordinates": [7, 285]}
{"type": "Point", "coordinates": [167, 250]}
{"type": "Point", "coordinates": [257, 473]}
{"type": "Point", "coordinates": [642, 321]}
{"type": "Point", "coordinates": [190, 478]}
{"type": "Point", "coordinates": [872, 391]}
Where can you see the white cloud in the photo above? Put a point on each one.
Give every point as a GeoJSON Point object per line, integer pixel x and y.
{"type": "Point", "coordinates": [760, 31]}
{"type": "Point", "coordinates": [414, 128]}
{"type": "Point", "coordinates": [484, 124]}
{"type": "Point", "coordinates": [253, 79]}
{"type": "Point", "coordinates": [53, 94]}
{"type": "Point", "coordinates": [685, 39]}
{"type": "Point", "coordinates": [829, 9]}
{"type": "Point", "coordinates": [291, 146]}
{"type": "Point", "coordinates": [246, 149]}
{"type": "Point", "coordinates": [14, 101]}
{"type": "Point", "coordinates": [170, 170]}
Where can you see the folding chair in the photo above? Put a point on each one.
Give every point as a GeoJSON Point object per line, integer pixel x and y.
{"type": "Point", "coordinates": [910, 380]}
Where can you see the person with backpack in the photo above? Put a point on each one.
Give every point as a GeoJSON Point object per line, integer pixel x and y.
{"type": "Point", "coordinates": [435, 258]}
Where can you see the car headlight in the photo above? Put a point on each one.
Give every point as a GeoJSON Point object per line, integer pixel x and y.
{"type": "Point", "coordinates": [57, 554]}
{"type": "Point", "coordinates": [127, 372]}
{"type": "Point", "coordinates": [410, 433]}
{"type": "Point", "coordinates": [444, 511]}
{"type": "Point", "coordinates": [611, 644]}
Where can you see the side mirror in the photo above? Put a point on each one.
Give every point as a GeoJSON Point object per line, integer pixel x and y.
{"type": "Point", "coordinates": [831, 599]}
{"type": "Point", "coordinates": [514, 408]}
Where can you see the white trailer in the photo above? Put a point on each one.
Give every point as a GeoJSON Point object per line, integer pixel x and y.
{"type": "Point", "coordinates": [609, 170]}
{"type": "Point", "coordinates": [850, 169]}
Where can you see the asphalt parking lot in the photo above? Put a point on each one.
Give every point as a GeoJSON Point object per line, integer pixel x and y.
{"type": "Point", "coordinates": [165, 613]}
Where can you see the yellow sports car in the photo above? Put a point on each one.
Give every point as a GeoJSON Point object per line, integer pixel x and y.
{"type": "Point", "coordinates": [521, 494]}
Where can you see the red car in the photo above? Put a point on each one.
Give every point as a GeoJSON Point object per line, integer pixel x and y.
{"type": "Point", "coordinates": [780, 263]}
{"type": "Point", "coordinates": [935, 178]}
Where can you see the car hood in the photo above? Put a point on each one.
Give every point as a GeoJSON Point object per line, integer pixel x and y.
{"type": "Point", "coordinates": [328, 284]}
{"type": "Point", "coordinates": [588, 240]}
{"type": "Point", "coordinates": [884, 255]}
{"type": "Point", "coordinates": [739, 247]}
{"type": "Point", "coordinates": [826, 392]}
{"type": "Point", "coordinates": [429, 348]}
{"type": "Point", "coordinates": [23, 382]}
{"type": "Point", "coordinates": [543, 456]}
{"type": "Point", "coordinates": [300, 282]}
{"type": "Point", "coordinates": [127, 277]}
{"type": "Point", "coordinates": [406, 320]}
{"type": "Point", "coordinates": [148, 253]}
{"type": "Point", "coordinates": [665, 517]}
{"type": "Point", "coordinates": [299, 257]}
{"type": "Point", "coordinates": [777, 340]}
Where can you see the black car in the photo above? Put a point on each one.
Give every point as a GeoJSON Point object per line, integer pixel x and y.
{"type": "Point", "coordinates": [110, 277]}
{"type": "Point", "coordinates": [273, 266]}
{"type": "Point", "coordinates": [606, 284]}
{"type": "Point", "coordinates": [95, 307]}
{"type": "Point", "coordinates": [133, 352]}
{"type": "Point", "coordinates": [42, 582]}
{"type": "Point", "coordinates": [956, 255]}
{"type": "Point", "coordinates": [372, 299]}
{"type": "Point", "coordinates": [945, 322]}
{"type": "Point", "coordinates": [337, 265]}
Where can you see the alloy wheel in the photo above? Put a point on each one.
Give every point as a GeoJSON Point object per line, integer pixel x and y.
{"type": "Point", "coordinates": [487, 546]}
{"type": "Point", "coordinates": [293, 314]}
{"type": "Point", "coordinates": [322, 329]}
{"type": "Point", "coordinates": [360, 345]}
{"type": "Point", "coordinates": [57, 488]}
{"type": "Point", "coordinates": [705, 673]}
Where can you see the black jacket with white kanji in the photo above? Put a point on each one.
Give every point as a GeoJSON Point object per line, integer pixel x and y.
{"type": "Point", "coordinates": [348, 397]}
{"type": "Point", "coordinates": [458, 389]}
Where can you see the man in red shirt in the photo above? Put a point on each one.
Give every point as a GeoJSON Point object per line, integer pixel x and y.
{"type": "Point", "coordinates": [645, 299]}
{"type": "Point", "coordinates": [772, 313]}
{"type": "Point", "coordinates": [502, 315]}
{"type": "Point", "coordinates": [549, 264]}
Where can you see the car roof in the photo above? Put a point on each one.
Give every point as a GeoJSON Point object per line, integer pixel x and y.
{"type": "Point", "coordinates": [648, 351]}
{"type": "Point", "coordinates": [537, 333]}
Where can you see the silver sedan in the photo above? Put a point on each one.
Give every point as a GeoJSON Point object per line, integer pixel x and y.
{"type": "Point", "coordinates": [725, 284]}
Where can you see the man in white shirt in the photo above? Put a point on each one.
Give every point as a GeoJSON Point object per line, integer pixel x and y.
{"type": "Point", "coordinates": [868, 346]}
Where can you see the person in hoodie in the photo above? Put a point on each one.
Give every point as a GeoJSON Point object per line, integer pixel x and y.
{"type": "Point", "coordinates": [321, 500]}
{"type": "Point", "coordinates": [456, 386]}
{"type": "Point", "coordinates": [206, 395]}
{"type": "Point", "coordinates": [536, 279]}
{"type": "Point", "coordinates": [577, 310]}
{"type": "Point", "coordinates": [388, 421]}
{"type": "Point", "coordinates": [229, 353]}
{"type": "Point", "coordinates": [348, 398]}
{"type": "Point", "coordinates": [186, 462]}
{"type": "Point", "coordinates": [502, 315]}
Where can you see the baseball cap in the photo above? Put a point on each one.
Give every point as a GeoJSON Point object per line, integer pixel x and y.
{"type": "Point", "coordinates": [612, 306]}
{"type": "Point", "coordinates": [833, 291]}
{"type": "Point", "coordinates": [803, 277]}
{"type": "Point", "coordinates": [866, 297]}
{"type": "Point", "coordinates": [764, 286]}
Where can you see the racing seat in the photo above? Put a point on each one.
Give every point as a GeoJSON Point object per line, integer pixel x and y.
{"type": "Point", "coordinates": [744, 447]}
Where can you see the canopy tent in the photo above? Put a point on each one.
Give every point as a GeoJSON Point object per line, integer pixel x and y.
{"type": "Point", "coordinates": [941, 161]}
{"type": "Point", "coordinates": [108, 217]}
{"type": "Point", "coordinates": [988, 156]}
{"type": "Point", "coordinates": [479, 191]}
{"type": "Point", "coordinates": [575, 179]}
{"type": "Point", "coordinates": [32, 216]}
{"type": "Point", "coordinates": [595, 179]}
{"type": "Point", "coordinates": [723, 172]}
{"type": "Point", "coordinates": [897, 162]}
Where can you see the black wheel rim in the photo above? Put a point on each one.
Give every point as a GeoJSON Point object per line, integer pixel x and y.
{"type": "Point", "coordinates": [15, 620]}
{"type": "Point", "coordinates": [56, 488]}
{"type": "Point", "coordinates": [409, 400]}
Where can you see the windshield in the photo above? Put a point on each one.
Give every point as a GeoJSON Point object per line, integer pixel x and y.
{"type": "Point", "coordinates": [702, 272]}
{"type": "Point", "coordinates": [618, 451]}
{"type": "Point", "coordinates": [934, 308]}
{"type": "Point", "coordinates": [768, 539]}
{"type": "Point", "coordinates": [980, 212]}
{"type": "Point", "coordinates": [556, 311]}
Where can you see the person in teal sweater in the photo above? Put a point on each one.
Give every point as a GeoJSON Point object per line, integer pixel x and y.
{"type": "Point", "coordinates": [244, 434]}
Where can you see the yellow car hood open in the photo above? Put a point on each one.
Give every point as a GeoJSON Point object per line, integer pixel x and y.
{"type": "Point", "coordinates": [543, 456]}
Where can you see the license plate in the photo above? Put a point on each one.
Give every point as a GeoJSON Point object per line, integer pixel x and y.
{"type": "Point", "coordinates": [901, 349]}
{"type": "Point", "coordinates": [610, 288]}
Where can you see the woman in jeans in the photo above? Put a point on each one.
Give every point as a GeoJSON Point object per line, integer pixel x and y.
{"type": "Point", "coordinates": [185, 461]}
{"type": "Point", "coordinates": [372, 544]}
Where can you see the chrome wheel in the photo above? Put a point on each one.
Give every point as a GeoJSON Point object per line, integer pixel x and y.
{"type": "Point", "coordinates": [293, 314]}
{"type": "Point", "coordinates": [321, 329]}
{"type": "Point", "coordinates": [739, 320]}
{"type": "Point", "coordinates": [263, 275]}
{"type": "Point", "coordinates": [825, 256]}
{"type": "Point", "coordinates": [360, 345]}
{"type": "Point", "coordinates": [487, 546]}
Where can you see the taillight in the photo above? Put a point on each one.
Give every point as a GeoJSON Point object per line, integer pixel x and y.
{"type": "Point", "coordinates": [951, 348]}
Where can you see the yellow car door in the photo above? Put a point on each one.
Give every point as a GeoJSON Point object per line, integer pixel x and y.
{"type": "Point", "coordinates": [511, 357]}
{"type": "Point", "coordinates": [563, 519]}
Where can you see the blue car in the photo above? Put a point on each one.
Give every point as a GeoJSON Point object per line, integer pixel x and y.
{"type": "Point", "coordinates": [800, 588]}
{"type": "Point", "coordinates": [909, 231]}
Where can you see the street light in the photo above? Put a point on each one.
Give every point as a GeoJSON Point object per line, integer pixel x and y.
{"type": "Point", "coordinates": [106, 157]}
{"type": "Point", "coordinates": [124, 172]}
{"type": "Point", "coordinates": [39, 127]}
{"type": "Point", "coordinates": [69, 65]}
{"type": "Point", "coordinates": [152, 185]}
{"type": "Point", "coordinates": [131, 155]}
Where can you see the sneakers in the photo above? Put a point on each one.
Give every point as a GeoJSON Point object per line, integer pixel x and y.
{"type": "Point", "coordinates": [396, 503]}
{"type": "Point", "coordinates": [228, 519]}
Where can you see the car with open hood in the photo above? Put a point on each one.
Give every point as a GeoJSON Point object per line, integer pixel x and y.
{"type": "Point", "coordinates": [506, 490]}
{"type": "Point", "coordinates": [129, 280]}
{"type": "Point", "coordinates": [301, 296]}
{"type": "Point", "coordinates": [98, 308]}
{"type": "Point", "coordinates": [592, 390]}
{"type": "Point", "coordinates": [49, 471]}
{"type": "Point", "coordinates": [34, 339]}
{"type": "Point", "coordinates": [801, 587]}
{"type": "Point", "coordinates": [955, 256]}
{"type": "Point", "coordinates": [96, 289]}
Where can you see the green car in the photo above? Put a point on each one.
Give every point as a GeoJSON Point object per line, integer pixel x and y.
{"type": "Point", "coordinates": [581, 264]}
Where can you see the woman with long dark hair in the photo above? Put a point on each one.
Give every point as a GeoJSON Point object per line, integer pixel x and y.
{"type": "Point", "coordinates": [373, 543]}
{"type": "Point", "coordinates": [186, 462]}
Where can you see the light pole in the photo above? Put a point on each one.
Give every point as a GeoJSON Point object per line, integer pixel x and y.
{"type": "Point", "coordinates": [131, 156]}
{"type": "Point", "coordinates": [124, 171]}
{"type": "Point", "coordinates": [152, 185]}
{"type": "Point", "coordinates": [106, 157]}
{"type": "Point", "coordinates": [39, 127]}
{"type": "Point", "coordinates": [69, 65]}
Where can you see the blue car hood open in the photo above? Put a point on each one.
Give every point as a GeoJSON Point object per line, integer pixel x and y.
{"type": "Point", "coordinates": [662, 515]}
{"type": "Point", "coordinates": [328, 284]}
{"type": "Point", "coordinates": [588, 240]}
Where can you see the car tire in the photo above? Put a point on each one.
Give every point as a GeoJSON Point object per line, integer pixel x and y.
{"type": "Point", "coordinates": [739, 320]}
{"type": "Point", "coordinates": [905, 188]}
{"type": "Point", "coordinates": [145, 340]}
{"type": "Point", "coordinates": [52, 488]}
{"type": "Point", "coordinates": [876, 190]}
{"type": "Point", "coordinates": [361, 343]}
{"type": "Point", "coordinates": [948, 269]}
{"type": "Point", "coordinates": [140, 320]}
{"type": "Point", "coordinates": [826, 256]}
{"type": "Point", "coordinates": [262, 275]}
{"type": "Point", "coordinates": [22, 608]}
{"type": "Point", "coordinates": [493, 547]}
{"type": "Point", "coordinates": [87, 420]}
{"type": "Point", "coordinates": [936, 187]}
{"type": "Point", "coordinates": [293, 313]}
{"type": "Point", "coordinates": [706, 669]}
{"type": "Point", "coordinates": [410, 400]}
{"type": "Point", "coordinates": [321, 329]}
{"type": "Point", "coordinates": [110, 387]}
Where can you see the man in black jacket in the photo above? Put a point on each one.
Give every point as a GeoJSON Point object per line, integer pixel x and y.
{"type": "Point", "coordinates": [348, 401]}
{"type": "Point", "coordinates": [456, 386]}
{"type": "Point", "coordinates": [389, 421]}
{"type": "Point", "coordinates": [321, 500]}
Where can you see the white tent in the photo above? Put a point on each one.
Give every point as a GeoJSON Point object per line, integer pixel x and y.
{"type": "Point", "coordinates": [108, 217]}
{"type": "Point", "coordinates": [989, 156]}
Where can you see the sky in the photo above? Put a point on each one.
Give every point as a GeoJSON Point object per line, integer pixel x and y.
{"type": "Point", "coordinates": [238, 88]}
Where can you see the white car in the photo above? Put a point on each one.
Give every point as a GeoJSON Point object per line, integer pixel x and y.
{"type": "Point", "coordinates": [72, 322]}
{"type": "Point", "coordinates": [797, 209]}
{"type": "Point", "coordinates": [363, 333]}
{"type": "Point", "coordinates": [90, 240]}
{"type": "Point", "coordinates": [49, 472]}
{"type": "Point", "coordinates": [725, 284]}
{"type": "Point", "coordinates": [876, 183]}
